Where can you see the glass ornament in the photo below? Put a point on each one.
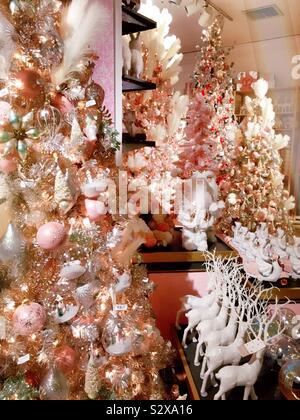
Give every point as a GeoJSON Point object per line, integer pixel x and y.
{"type": "Point", "coordinates": [85, 328]}
{"type": "Point", "coordinates": [289, 380]}
{"type": "Point", "coordinates": [283, 349]}
{"type": "Point", "coordinates": [54, 386]}
{"type": "Point", "coordinates": [117, 337]}
{"type": "Point", "coordinates": [49, 119]}
{"type": "Point", "coordinates": [29, 319]}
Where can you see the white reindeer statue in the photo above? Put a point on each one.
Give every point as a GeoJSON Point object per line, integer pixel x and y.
{"type": "Point", "coordinates": [230, 355]}
{"type": "Point", "coordinates": [247, 374]}
{"type": "Point", "coordinates": [205, 312]}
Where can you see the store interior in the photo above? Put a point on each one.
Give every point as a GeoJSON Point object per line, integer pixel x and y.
{"type": "Point", "coordinates": [149, 200]}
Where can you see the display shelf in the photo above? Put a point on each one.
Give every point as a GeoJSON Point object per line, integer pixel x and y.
{"type": "Point", "coordinates": [133, 22]}
{"type": "Point", "coordinates": [175, 258]}
{"type": "Point", "coordinates": [283, 288]}
{"type": "Point", "coordinates": [266, 387]}
{"type": "Point", "coordinates": [135, 143]}
{"type": "Point", "coordinates": [132, 84]}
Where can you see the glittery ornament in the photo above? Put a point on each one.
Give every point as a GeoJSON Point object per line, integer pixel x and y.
{"type": "Point", "coordinates": [51, 235]}
{"type": "Point", "coordinates": [65, 190]}
{"type": "Point", "coordinates": [289, 380]}
{"type": "Point", "coordinates": [92, 379]}
{"type": "Point", "coordinates": [11, 244]}
{"type": "Point", "coordinates": [49, 120]}
{"type": "Point", "coordinates": [54, 386]}
{"type": "Point", "coordinates": [117, 337]}
{"type": "Point", "coordinates": [29, 319]}
{"type": "Point", "coordinates": [65, 359]}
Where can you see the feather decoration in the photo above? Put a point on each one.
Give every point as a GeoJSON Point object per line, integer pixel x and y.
{"type": "Point", "coordinates": [82, 20]}
{"type": "Point", "coordinates": [7, 46]}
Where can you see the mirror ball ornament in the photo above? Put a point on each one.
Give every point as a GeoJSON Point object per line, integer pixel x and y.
{"type": "Point", "coordinates": [29, 319]}
{"type": "Point", "coordinates": [51, 235]}
{"type": "Point", "coordinates": [54, 386]}
{"type": "Point", "coordinates": [29, 83]}
{"type": "Point", "coordinates": [289, 380]}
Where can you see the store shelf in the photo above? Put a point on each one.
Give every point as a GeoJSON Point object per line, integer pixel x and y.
{"type": "Point", "coordinates": [175, 258]}
{"type": "Point", "coordinates": [284, 288]}
{"type": "Point", "coordinates": [132, 84]}
{"type": "Point", "coordinates": [133, 22]}
{"type": "Point", "coordinates": [137, 142]}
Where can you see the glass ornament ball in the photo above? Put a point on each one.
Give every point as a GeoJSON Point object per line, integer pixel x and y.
{"type": "Point", "coordinates": [29, 83]}
{"type": "Point", "coordinates": [51, 235]}
{"type": "Point", "coordinates": [54, 386]}
{"type": "Point", "coordinates": [283, 349]}
{"type": "Point", "coordinates": [117, 337]}
{"type": "Point", "coordinates": [285, 317]}
{"type": "Point", "coordinates": [289, 380]}
{"type": "Point", "coordinates": [28, 319]}
{"type": "Point", "coordinates": [49, 119]}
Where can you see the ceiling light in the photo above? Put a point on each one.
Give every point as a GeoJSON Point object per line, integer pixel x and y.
{"type": "Point", "coordinates": [193, 7]}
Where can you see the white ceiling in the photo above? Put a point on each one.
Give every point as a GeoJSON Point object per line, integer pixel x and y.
{"type": "Point", "coordinates": [241, 30]}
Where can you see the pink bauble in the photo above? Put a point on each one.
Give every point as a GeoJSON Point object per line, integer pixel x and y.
{"type": "Point", "coordinates": [29, 319]}
{"type": "Point", "coordinates": [51, 235]}
{"type": "Point", "coordinates": [94, 210]}
{"type": "Point", "coordinates": [8, 166]}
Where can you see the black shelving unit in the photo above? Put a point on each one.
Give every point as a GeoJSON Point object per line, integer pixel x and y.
{"type": "Point", "coordinates": [137, 142]}
{"type": "Point", "coordinates": [135, 22]}
{"type": "Point", "coordinates": [132, 84]}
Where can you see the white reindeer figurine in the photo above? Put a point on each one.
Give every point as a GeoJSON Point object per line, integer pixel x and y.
{"type": "Point", "coordinates": [247, 374]}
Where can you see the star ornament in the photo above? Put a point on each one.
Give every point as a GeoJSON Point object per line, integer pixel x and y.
{"type": "Point", "coordinates": [18, 133]}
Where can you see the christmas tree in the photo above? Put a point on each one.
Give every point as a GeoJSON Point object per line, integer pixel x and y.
{"type": "Point", "coordinates": [212, 79]}
{"type": "Point", "coordinates": [255, 188]}
{"type": "Point", "coordinates": [75, 323]}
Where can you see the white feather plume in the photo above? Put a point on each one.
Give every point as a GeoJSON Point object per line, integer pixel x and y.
{"type": "Point", "coordinates": [7, 46]}
{"type": "Point", "coordinates": [81, 22]}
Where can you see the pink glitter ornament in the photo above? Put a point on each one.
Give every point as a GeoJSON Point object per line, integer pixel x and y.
{"type": "Point", "coordinates": [29, 319]}
{"type": "Point", "coordinates": [51, 235]}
